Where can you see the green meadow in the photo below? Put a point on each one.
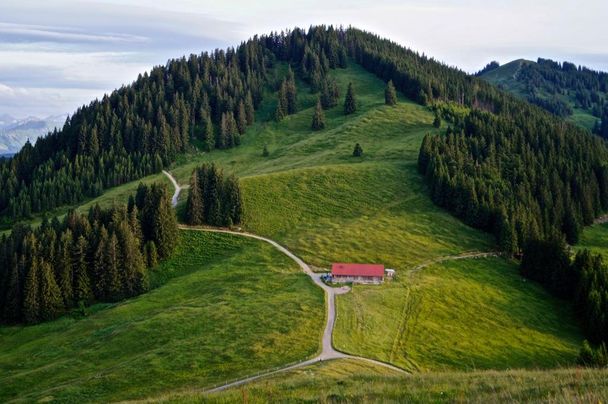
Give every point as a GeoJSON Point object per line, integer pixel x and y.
{"type": "Point", "coordinates": [222, 307]}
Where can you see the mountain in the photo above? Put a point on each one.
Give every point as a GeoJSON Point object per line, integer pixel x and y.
{"type": "Point", "coordinates": [15, 132]}
{"type": "Point", "coordinates": [420, 181]}
{"type": "Point", "coordinates": [576, 93]}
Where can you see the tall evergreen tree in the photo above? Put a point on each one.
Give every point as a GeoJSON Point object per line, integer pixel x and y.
{"type": "Point", "coordinates": [51, 302]}
{"type": "Point", "coordinates": [350, 103]}
{"type": "Point", "coordinates": [318, 118]}
{"type": "Point", "coordinates": [31, 295]}
{"type": "Point", "coordinates": [390, 94]}
{"type": "Point", "coordinates": [82, 283]}
{"type": "Point", "coordinates": [194, 205]}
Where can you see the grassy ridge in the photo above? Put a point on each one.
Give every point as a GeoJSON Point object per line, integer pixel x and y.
{"type": "Point", "coordinates": [227, 307]}
{"type": "Point", "coordinates": [351, 381]}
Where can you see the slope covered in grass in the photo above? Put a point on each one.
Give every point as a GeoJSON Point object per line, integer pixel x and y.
{"type": "Point", "coordinates": [461, 314]}
{"type": "Point", "coordinates": [350, 381]}
{"type": "Point", "coordinates": [224, 307]}
{"type": "Point", "coordinates": [595, 239]}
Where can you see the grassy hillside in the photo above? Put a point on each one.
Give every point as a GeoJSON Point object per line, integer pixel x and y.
{"type": "Point", "coordinates": [350, 381]}
{"type": "Point", "coordinates": [224, 307]}
{"type": "Point", "coordinates": [218, 314]}
{"type": "Point", "coordinates": [461, 314]}
{"type": "Point", "coordinates": [505, 77]}
{"type": "Point", "coordinates": [595, 239]}
{"type": "Point", "coordinates": [313, 196]}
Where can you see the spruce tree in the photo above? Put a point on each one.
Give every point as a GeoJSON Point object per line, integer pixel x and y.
{"type": "Point", "coordinates": [151, 254]}
{"type": "Point", "coordinates": [358, 151]}
{"type": "Point", "coordinates": [265, 152]}
{"type": "Point", "coordinates": [64, 264]}
{"type": "Point", "coordinates": [194, 204]}
{"type": "Point", "coordinates": [350, 103]}
{"type": "Point", "coordinates": [291, 93]}
{"type": "Point", "coordinates": [112, 275]}
{"type": "Point", "coordinates": [390, 94]}
{"type": "Point", "coordinates": [249, 109]}
{"type": "Point", "coordinates": [281, 110]}
{"type": "Point", "coordinates": [82, 283]}
{"type": "Point", "coordinates": [241, 118]}
{"type": "Point", "coordinates": [51, 302]}
{"type": "Point", "coordinates": [31, 294]}
{"type": "Point", "coordinates": [318, 118]}
{"type": "Point", "coordinates": [437, 121]}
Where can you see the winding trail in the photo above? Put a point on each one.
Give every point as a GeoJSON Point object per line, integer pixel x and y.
{"type": "Point", "coordinates": [328, 352]}
{"type": "Point", "coordinates": [466, 255]}
{"type": "Point", "coordinates": [177, 187]}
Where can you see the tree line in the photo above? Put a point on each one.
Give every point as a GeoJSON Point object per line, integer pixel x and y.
{"type": "Point", "coordinates": [503, 165]}
{"type": "Point", "coordinates": [214, 198]}
{"type": "Point", "coordinates": [582, 280]}
{"type": "Point", "coordinates": [207, 100]}
{"type": "Point", "coordinates": [102, 256]}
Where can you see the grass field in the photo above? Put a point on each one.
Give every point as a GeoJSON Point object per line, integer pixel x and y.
{"type": "Point", "coordinates": [463, 314]}
{"type": "Point", "coordinates": [355, 382]}
{"type": "Point", "coordinates": [595, 239]}
{"type": "Point", "coordinates": [217, 314]}
{"type": "Point", "coordinates": [224, 307]}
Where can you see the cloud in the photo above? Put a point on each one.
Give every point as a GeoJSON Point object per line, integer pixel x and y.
{"type": "Point", "coordinates": [24, 32]}
{"type": "Point", "coordinates": [56, 55]}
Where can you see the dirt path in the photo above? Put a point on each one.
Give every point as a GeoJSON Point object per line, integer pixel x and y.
{"type": "Point", "coordinates": [467, 255]}
{"type": "Point", "coordinates": [328, 352]}
{"type": "Point", "coordinates": [177, 187]}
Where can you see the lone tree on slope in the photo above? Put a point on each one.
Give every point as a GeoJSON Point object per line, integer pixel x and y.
{"type": "Point", "coordinates": [390, 94]}
{"type": "Point", "coordinates": [350, 103]}
{"type": "Point", "coordinates": [318, 119]}
{"type": "Point", "coordinates": [358, 152]}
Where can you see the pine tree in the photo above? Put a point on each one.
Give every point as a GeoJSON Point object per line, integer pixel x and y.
{"type": "Point", "coordinates": [64, 264]}
{"type": "Point", "coordinates": [329, 93]}
{"type": "Point", "coordinates": [390, 94]}
{"type": "Point", "coordinates": [358, 151]}
{"type": "Point", "coordinates": [151, 254]}
{"type": "Point", "coordinates": [249, 109]}
{"type": "Point", "coordinates": [82, 283]}
{"type": "Point", "coordinates": [12, 301]}
{"type": "Point", "coordinates": [207, 136]}
{"type": "Point", "coordinates": [437, 121]}
{"type": "Point", "coordinates": [99, 278]}
{"type": "Point", "coordinates": [194, 205]}
{"type": "Point", "coordinates": [318, 118]}
{"type": "Point", "coordinates": [241, 118]}
{"type": "Point", "coordinates": [113, 282]}
{"type": "Point", "coordinates": [350, 103]}
{"type": "Point", "coordinates": [51, 302]}
{"type": "Point", "coordinates": [31, 293]}
{"type": "Point", "coordinates": [265, 152]}
{"type": "Point", "coordinates": [281, 110]}
{"type": "Point", "coordinates": [291, 93]}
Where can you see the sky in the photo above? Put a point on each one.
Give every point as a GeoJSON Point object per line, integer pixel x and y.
{"type": "Point", "coordinates": [56, 55]}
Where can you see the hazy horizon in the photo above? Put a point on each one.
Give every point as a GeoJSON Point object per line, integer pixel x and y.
{"type": "Point", "coordinates": [56, 57]}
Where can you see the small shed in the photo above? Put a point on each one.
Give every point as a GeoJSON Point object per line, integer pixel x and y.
{"type": "Point", "coordinates": [357, 273]}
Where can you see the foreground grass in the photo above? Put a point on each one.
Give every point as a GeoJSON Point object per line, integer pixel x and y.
{"type": "Point", "coordinates": [347, 381]}
{"type": "Point", "coordinates": [224, 307]}
{"type": "Point", "coordinates": [464, 314]}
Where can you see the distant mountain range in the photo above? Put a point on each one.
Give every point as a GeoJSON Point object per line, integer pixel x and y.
{"type": "Point", "coordinates": [15, 132]}
{"type": "Point", "coordinates": [576, 93]}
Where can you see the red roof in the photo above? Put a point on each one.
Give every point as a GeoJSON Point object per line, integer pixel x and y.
{"type": "Point", "coordinates": [357, 269]}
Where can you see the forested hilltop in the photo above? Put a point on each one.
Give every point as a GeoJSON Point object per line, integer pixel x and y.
{"type": "Point", "coordinates": [564, 89]}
